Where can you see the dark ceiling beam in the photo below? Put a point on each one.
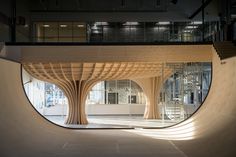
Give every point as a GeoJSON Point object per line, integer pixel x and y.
{"type": "Point", "coordinates": [204, 5]}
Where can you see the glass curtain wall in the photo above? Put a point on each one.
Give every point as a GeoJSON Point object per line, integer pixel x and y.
{"type": "Point", "coordinates": [116, 92]}
{"type": "Point", "coordinates": [60, 32]}
{"type": "Point", "coordinates": [47, 98]}
{"type": "Point", "coordinates": [124, 31]}
{"type": "Point", "coordinates": [185, 90]}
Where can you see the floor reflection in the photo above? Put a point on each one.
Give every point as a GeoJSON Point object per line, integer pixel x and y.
{"type": "Point", "coordinates": [116, 122]}
{"type": "Point", "coordinates": [185, 131]}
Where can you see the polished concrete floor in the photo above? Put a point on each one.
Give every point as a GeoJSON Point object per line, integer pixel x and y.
{"type": "Point", "coordinates": [116, 122]}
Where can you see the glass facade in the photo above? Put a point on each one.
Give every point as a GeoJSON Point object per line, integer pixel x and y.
{"type": "Point", "coordinates": [46, 98]}
{"type": "Point", "coordinates": [116, 92]}
{"type": "Point", "coordinates": [60, 32]}
{"type": "Point", "coordinates": [185, 90]}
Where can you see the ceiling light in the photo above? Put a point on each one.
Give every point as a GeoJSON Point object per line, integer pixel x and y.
{"type": "Point", "coordinates": [196, 23]}
{"type": "Point", "coordinates": [187, 31]}
{"type": "Point", "coordinates": [163, 23]}
{"type": "Point", "coordinates": [130, 23]}
{"type": "Point", "coordinates": [80, 26]}
{"type": "Point", "coordinates": [46, 26]}
{"type": "Point", "coordinates": [101, 23]}
{"type": "Point", "coordinates": [191, 27]}
{"type": "Point", "coordinates": [63, 26]}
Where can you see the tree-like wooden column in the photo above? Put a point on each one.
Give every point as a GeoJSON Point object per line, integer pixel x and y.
{"type": "Point", "coordinates": [152, 110]}
{"type": "Point", "coordinates": [69, 78]}
{"type": "Point", "coordinates": [76, 92]}
{"type": "Point", "coordinates": [152, 88]}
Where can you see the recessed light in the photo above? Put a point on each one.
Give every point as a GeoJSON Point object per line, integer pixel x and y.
{"type": "Point", "coordinates": [163, 23]}
{"type": "Point", "coordinates": [46, 25]}
{"type": "Point", "coordinates": [80, 26]}
{"type": "Point", "coordinates": [196, 23]}
{"type": "Point", "coordinates": [187, 31]}
{"type": "Point", "coordinates": [63, 26]}
{"type": "Point", "coordinates": [101, 23]}
{"type": "Point", "coordinates": [130, 23]}
{"type": "Point", "coordinates": [191, 27]}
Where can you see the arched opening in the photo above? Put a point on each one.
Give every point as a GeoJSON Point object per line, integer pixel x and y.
{"type": "Point", "coordinates": [163, 100]}
{"type": "Point", "coordinates": [184, 91]}
{"type": "Point", "coordinates": [115, 102]}
{"type": "Point", "coordinates": [47, 98]}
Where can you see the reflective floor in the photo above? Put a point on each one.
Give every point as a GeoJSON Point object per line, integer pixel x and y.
{"type": "Point", "coordinates": [116, 122]}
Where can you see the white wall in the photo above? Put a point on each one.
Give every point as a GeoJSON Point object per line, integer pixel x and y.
{"type": "Point", "coordinates": [55, 110]}
{"type": "Point", "coordinates": [116, 109]}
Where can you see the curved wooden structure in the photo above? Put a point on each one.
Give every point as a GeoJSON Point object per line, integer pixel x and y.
{"type": "Point", "coordinates": [210, 132]}
{"type": "Point", "coordinates": [76, 79]}
{"type": "Point", "coordinates": [75, 69]}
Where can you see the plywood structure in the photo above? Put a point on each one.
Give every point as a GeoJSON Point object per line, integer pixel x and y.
{"type": "Point", "coordinates": [110, 53]}
{"type": "Point", "coordinates": [76, 80]}
{"type": "Point", "coordinates": [152, 88]}
{"type": "Point", "coordinates": [210, 132]}
{"type": "Point", "coordinates": [75, 69]}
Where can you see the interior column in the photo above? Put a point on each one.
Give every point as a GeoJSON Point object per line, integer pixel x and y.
{"type": "Point", "coordinates": [151, 87]}
{"type": "Point", "coordinates": [76, 92]}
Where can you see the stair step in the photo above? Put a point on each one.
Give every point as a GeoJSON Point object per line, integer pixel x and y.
{"type": "Point", "coordinates": [225, 49]}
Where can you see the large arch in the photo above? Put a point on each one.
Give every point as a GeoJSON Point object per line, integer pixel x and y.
{"type": "Point", "coordinates": [210, 132]}
{"type": "Point", "coordinates": [152, 89]}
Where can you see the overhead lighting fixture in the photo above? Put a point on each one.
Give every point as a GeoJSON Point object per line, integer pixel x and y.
{"type": "Point", "coordinates": [101, 23]}
{"type": "Point", "coordinates": [191, 27]}
{"type": "Point", "coordinates": [63, 26]}
{"type": "Point", "coordinates": [46, 26]}
{"type": "Point", "coordinates": [80, 26]}
{"type": "Point", "coordinates": [187, 31]}
{"type": "Point", "coordinates": [130, 23]}
{"type": "Point", "coordinates": [163, 23]}
{"type": "Point", "coordinates": [196, 23]}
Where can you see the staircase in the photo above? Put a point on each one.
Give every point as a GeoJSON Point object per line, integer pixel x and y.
{"type": "Point", "coordinates": [174, 111]}
{"type": "Point", "coordinates": [225, 49]}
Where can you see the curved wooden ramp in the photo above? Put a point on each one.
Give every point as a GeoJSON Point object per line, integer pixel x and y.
{"type": "Point", "coordinates": [210, 132]}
